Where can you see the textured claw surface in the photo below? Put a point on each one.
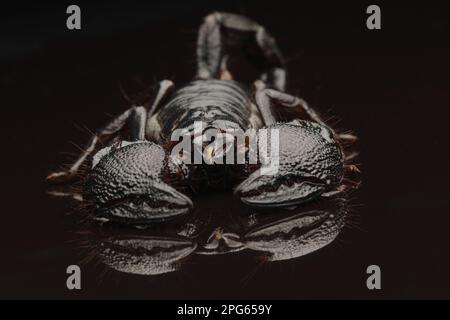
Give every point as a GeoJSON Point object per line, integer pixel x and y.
{"type": "Point", "coordinates": [126, 184]}
{"type": "Point", "coordinates": [310, 163]}
{"type": "Point", "coordinates": [145, 255]}
{"type": "Point", "coordinates": [298, 235]}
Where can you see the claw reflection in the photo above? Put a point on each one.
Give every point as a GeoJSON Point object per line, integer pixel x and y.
{"type": "Point", "coordinates": [145, 255]}
{"type": "Point", "coordinates": [298, 234]}
{"type": "Point", "coordinates": [278, 234]}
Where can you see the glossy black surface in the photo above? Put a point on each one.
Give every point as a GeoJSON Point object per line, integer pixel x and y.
{"type": "Point", "coordinates": [390, 87]}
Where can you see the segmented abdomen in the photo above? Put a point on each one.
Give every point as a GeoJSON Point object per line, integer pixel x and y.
{"type": "Point", "coordinates": [209, 101]}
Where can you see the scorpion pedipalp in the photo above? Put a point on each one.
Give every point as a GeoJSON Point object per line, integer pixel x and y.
{"type": "Point", "coordinates": [310, 162]}
{"type": "Point", "coordinates": [127, 184]}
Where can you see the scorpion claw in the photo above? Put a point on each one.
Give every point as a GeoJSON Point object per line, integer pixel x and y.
{"type": "Point", "coordinates": [263, 190]}
{"type": "Point", "coordinates": [126, 184]}
{"type": "Point", "coordinates": [310, 162]}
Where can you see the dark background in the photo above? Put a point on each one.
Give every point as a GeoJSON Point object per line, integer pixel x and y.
{"type": "Point", "coordinates": [390, 86]}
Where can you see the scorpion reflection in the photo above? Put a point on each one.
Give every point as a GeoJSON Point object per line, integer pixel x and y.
{"type": "Point", "coordinates": [276, 235]}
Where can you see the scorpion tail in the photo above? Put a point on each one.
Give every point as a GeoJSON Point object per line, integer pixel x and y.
{"type": "Point", "coordinates": [213, 46]}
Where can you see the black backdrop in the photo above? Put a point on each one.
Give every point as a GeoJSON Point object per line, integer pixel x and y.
{"type": "Point", "coordinates": [389, 86]}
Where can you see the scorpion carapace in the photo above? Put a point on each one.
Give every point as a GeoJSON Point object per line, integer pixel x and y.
{"type": "Point", "coordinates": [143, 176]}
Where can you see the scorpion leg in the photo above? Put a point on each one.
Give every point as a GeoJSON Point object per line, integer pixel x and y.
{"type": "Point", "coordinates": [309, 160]}
{"type": "Point", "coordinates": [136, 123]}
{"type": "Point", "coordinates": [153, 128]}
{"type": "Point", "coordinates": [222, 31]}
{"type": "Point", "coordinates": [268, 99]}
{"type": "Point", "coordinates": [103, 135]}
{"type": "Point", "coordinates": [135, 119]}
{"type": "Point", "coordinates": [164, 88]}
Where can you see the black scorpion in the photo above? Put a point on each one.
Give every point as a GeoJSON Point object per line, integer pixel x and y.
{"type": "Point", "coordinates": [137, 179]}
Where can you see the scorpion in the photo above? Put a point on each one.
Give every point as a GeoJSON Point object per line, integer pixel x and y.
{"type": "Point", "coordinates": [136, 179]}
{"type": "Point", "coordinates": [278, 235]}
